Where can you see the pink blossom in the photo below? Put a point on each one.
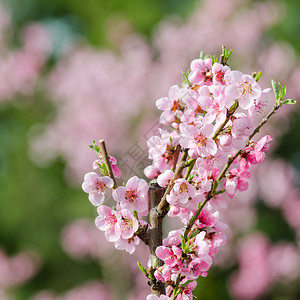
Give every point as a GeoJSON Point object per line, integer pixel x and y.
{"type": "Point", "coordinates": [212, 100]}
{"type": "Point", "coordinates": [129, 245]}
{"type": "Point", "coordinates": [198, 267]}
{"type": "Point", "coordinates": [161, 297]}
{"type": "Point", "coordinates": [261, 103]}
{"type": "Point", "coordinates": [127, 224]}
{"type": "Point", "coordinates": [201, 71]}
{"type": "Point", "coordinates": [134, 196]}
{"type": "Point", "coordinates": [171, 105]}
{"type": "Point", "coordinates": [170, 256]}
{"type": "Point", "coordinates": [162, 149]}
{"type": "Point", "coordinates": [89, 291]}
{"type": "Point", "coordinates": [183, 194]}
{"type": "Point", "coordinates": [173, 238]}
{"type": "Point", "coordinates": [242, 125]}
{"type": "Point", "coordinates": [203, 180]}
{"type": "Point", "coordinates": [285, 262]}
{"type": "Point", "coordinates": [236, 180]}
{"type": "Point", "coordinates": [225, 142]}
{"type": "Point", "coordinates": [152, 172]}
{"type": "Point", "coordinates": [95, 186]}
{"type": "Point", "coordinates": [255, 276]}
{"type": "Point", "coordinates": [187, 291]}
{"type": "Point", "coordinates": [107, 221]}
{"type": "Point", "coordinates": [164, 178]}
{"type": "Point", "coordinates": [219, 71]}
{"type": "Point", "coordinates": [198, 140]}
{"type": "Point", "coordinates": [242, 87]}
{"type": "Point", "coordinates": [206, 219]}
{"type": "Point", "coordinates": [262, 147]}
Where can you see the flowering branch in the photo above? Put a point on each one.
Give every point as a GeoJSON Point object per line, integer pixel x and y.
{"type": "Point", "coordinates": [212, 115]}
{"type": "Point", "coordinates": [231, 159]}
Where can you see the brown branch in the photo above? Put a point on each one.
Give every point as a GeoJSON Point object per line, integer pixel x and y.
{"type": "Point", "coordinates": [143, 234]}
{"type": "Point", "coordinates": [155, 235]}
{"type": "Point", "coordinates": [107, 162]}
{"type": "Point", "coordinates": [175, 157]}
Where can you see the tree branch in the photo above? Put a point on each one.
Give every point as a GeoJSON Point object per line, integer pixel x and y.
{"type": "Point", "coordinates": [155, 235]}
{"type": "Point", "coordinates": [107, 162]}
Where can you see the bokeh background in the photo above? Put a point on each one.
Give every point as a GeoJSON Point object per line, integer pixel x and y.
{"type": "Point", "coordinates": [75, 71]}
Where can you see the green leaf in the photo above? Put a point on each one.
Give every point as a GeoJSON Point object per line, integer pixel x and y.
{"type": "Point", "coordinates": [135, 214]}
{"type": "Point", "coordinates": [282, 91]}
{"type": "Point", "coordinates": [220, 192]}
{"type": "Point", "coordinates": [183, 243]}
{"type": "Point", "coordinates": [257, 75]}
{"type": "Point", "coordinates": [233, 107]}
{"type": "Point", "coordinates": [96, 147]}
{"type": "Point", "coordinates": [201, 55]}
{"type": "Point", "coordinates": [191, 177]}
{"type": "Point", "coordinates": [276, 91]}
{"type": "Point", "coordinates": [289, 101]}
{"type": "Point", "coordinates": [185, 78]}
{"type": "Point", "coordinates": [226, 54]}
{"type": "Point", "coordinates": [194, 234]}
{"type": "Point", "coordinates": [224, 51]}
{"type": "Point", "coordinates": [155, 263]}
{"type": "Point", "coordinates": [214, 59]}
{"type": "Point", "coordinates": [178, 291]}
{"type": "Point", "coordinates": [103, 168]}
{"type": "Point", "coordinates": [229, 53]}
{"type": "Point", "coordinates": [143, 269]}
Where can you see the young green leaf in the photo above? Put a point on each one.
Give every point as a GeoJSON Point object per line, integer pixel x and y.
{"type": "Point", "coordinates": [185, 78]}
{"type": "Point", "coordinates": [183, 243]}
{"type": "Point", "coordinates": [289, 101]}
{"type": "Point", "coordinates": [201, 55]}
{"type": "Point", "coordinates": [224, 50]}
{"type": "Point", "coordinates": [229, 54]}
{"type": "Point", "coordinates": [194, 234]}
{"type": "Point", "coordinates": [276, 92]}
{"type": "Point", "coordinates": [220, 192]}
{"type": "Point", "coordinates": [282, 91]}
{"type": "Point", "coordinates": [257, 75]}
{"type": "Point", "coordinates": [143, 269]}
{"type": "Point", "coordinates": [135, 214]}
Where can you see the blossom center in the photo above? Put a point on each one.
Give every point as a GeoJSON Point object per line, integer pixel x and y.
{"type": "Point", "coordinates": [183, 188]}
{"type": "Point", "coordinates": [131, 195]}
{"type": "Point", "coordinates": [128, 224]}
{"type": "Point", "coordinates": [245, 89]}
{"type": "Point", "coordinates": [201, 140]}
{"type": "Point", "coordinates": [176, 106]}
{"type": "Point", "coordinates": [100, 186]}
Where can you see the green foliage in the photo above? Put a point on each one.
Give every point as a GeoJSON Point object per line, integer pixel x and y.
{"type": "Point", "coordinates": [257, 75]}
{"type": "Point", "coordinates": [184, 245]}
{"type": "Point", "coordinates": [225, 55]}
{"type": "Point", "coordinates": [142, 269]}
{"type": "Point", "coordinates": [185, 78]}
{"type": "Point", "coordinates": [279, 92]}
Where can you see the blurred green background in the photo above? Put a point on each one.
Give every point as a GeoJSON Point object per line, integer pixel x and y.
{"type": "Point", "coordinates": [37, 202]}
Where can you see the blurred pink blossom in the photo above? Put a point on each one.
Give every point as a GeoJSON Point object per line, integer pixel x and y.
{"type": "Point", "coordinates": [90, 87]}
{"type": "Point", "coordinates": [20, 68]}
{"type": "Point", "coordinates": [17, 269]}
{"type": "Point", "coordinates": [261, 265]}
{"type": "Point", "coordinates": [89, 291]}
